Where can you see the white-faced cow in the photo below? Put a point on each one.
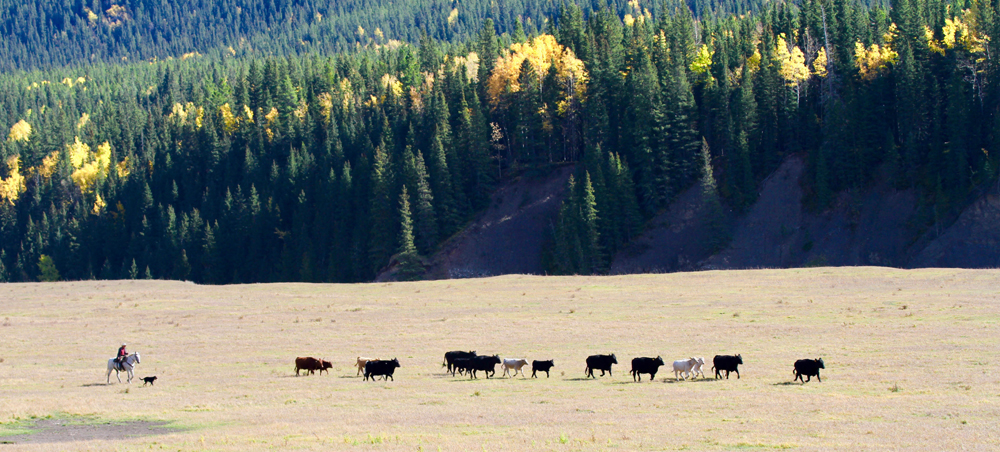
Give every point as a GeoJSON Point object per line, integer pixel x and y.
{"type": "Point", "coordinates": [728, 363]}
{"type": "Point", "coordinates": [600, 362]}
{"type": "Point", "coordinates": [361, 363]}
{"type": "Point", "coordinates": [385, 368]}
{"type": "Point", "coordinates": [808, 367]}
{"type": "Point", "coordinates": [684, 366]}
{"type": "Point", "coordinates": [544, 366]}
{"type": "Point", "coordinates": [514, 363]}
{"type": "Point", "coordinates": [645, 366]}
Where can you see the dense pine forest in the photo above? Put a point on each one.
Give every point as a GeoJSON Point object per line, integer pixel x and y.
{"type": "Point", "coordinates": [314, 142]}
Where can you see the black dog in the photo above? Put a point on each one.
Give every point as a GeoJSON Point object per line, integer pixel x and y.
{"type": "Point", "coordinates": [149, 380]}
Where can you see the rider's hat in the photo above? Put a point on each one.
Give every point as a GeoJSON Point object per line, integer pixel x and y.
{"type": "Point", "coordinates": [123, 344]}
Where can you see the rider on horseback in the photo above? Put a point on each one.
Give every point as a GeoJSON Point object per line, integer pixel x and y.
{"type": "Point", "coordinates": [122, 354]}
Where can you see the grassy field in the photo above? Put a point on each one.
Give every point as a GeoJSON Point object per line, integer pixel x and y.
{"type": "Point", "coordinates": [911, 361]}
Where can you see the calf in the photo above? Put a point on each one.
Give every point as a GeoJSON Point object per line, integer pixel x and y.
{"type": "Point", "coordinates": [308, 364]}
{"type": "Point", "coordinates": [325, 365]}
{"type": "Point", "coordinates": [645, 366]}
{"type": "Point", "coordinates": [385, 368]}
{"type": "Point", "coordinates": [361, 363]}
{"type": "Point", "coordinates": [487, 364]}
{"type": "Point", "coordinates": [684, 366]}
{"type": "Point", "coordinates": [697, 367]}
{"type": "Point", "coordinates": [809, 368]}
{"type": "Point", "coordinates": [516, 364]}
{"type": "Point", "coordinates": [450, 357]}
{"type": "Point", "coordinates": [600, 362]}
{"type": "Point", "coordinates": [544, 366]}
{"type": "Point", "coordinates": [728, 363]}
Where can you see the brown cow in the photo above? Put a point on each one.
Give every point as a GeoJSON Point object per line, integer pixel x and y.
{"type": "Point", "coordinates": [311, 365]}
{"type": "Point", "coordinates": [361, 363]}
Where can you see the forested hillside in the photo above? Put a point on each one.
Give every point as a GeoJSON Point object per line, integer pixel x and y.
{"type": "Point", "coordinates": [324, 166]}
{"type": "Point", "coordinates": [53, 33]}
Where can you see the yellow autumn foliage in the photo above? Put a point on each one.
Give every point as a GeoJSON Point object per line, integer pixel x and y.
{"type": "Point", "coordinates": [702, 61]}
{"type": "Point", "coordinates": [468, 63]}
{"type": "Point", "coordinates": [819, 64]}
{"type": "Point", "coordinates": [122, 168]}
{"type": "Point", "coordinates": [391, 84]}
{"type": "Point", "coordinates": [326, 105]}
{"type": "Point", "coordinates": [84, 119]}
{"type": "Point", "coordinates": [99, 205]}
{"type": "Point", "coordinates": [187, 112]}
{"type": "Point", "coordinates": [346, 93]}
{"type": "Point", "coordinates": [48, 167]}
{"type": "Point", "coordinates": [753, 62]}
{"type": "Point", "coordinates": [90, 167]}
{"type": "Point", "coordinates": [541, 53]}
{"type": "Point", "coordinates": [12, 187]}
{"type": "Point", "coordinates": [229, 120]}
{"type": "Point", "coordinates": [956, 33]}
{"type": "Point", "coordinates": [793, 62]}
{"type": "Point", "coordinates": [20, 131]}
{"type": "Point", "coordinates": [872, 60]}
{"type": "Point", "coordinates": [78, 153]}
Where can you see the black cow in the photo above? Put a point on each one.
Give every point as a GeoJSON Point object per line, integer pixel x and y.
{"type": "Point", "coordinates": [450, 357]}
{"type": "Point", "coordinates": [487, 364]}
{"type": "Point", "coordinates": [728, 363]}
{"type": "Point", "coordinates": [645, 366]}
{"type": "Point", "coordinates": [600, 362]}
{"type": "Point", "coordinates": [382, 367]}
{"type": "Point", "coordinates": [544, 366]}
{"type": "Point", "coordinates": [809, 368]}
{"type": "Point", "coordinates": [461, 365]}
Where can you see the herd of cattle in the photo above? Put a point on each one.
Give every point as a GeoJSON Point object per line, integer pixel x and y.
{"type": "Point", "coordinates": [470, 363]}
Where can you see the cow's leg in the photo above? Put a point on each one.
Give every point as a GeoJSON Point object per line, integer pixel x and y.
{"type": "Point", "coordinates": [546, 374]}
{"type": "Point", "coordinates": [533, 371]}
{"type": "Point", "coordinates": [817, 377]}
{"type": "Point", "coordinates": [652, 376]}
{"type": "Point", "coordinates": [737, 373]}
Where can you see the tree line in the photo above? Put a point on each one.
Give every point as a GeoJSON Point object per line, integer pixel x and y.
{"type": "Point", "coordinates": [319, 167]}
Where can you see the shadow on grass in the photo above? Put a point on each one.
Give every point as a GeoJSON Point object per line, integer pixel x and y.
{"type": "Point", "coordinates": [675, 381]}
{"type": "Point", "coordinates": [788, 383]}
{"type": "Point", "coordinates": [91, 385]}
{"type": "Point", "coordinates": [578, 379]}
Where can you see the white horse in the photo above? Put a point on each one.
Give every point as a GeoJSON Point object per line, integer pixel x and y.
{"type": "Point", "coordinates": [128, 364]}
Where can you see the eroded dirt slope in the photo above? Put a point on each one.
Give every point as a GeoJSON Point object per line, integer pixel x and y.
{"type": "Point", "coordinates": [507, 237]}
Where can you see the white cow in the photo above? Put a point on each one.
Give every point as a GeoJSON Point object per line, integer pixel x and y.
{"type": "Point", "coordinates": [361, 363]}
{"type": "Point", "coordinates": [684, 366]}
{"type": "Point", "coordinates": [697, 367]}
{"type": "Point", "coordinates": [516, 364]}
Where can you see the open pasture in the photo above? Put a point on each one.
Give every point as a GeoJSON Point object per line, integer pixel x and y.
{"type": "Point", "coordinates": [911, 362]}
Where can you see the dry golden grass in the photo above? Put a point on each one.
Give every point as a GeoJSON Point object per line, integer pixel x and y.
{"type": "Point", "coordinates": [910, 355]}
